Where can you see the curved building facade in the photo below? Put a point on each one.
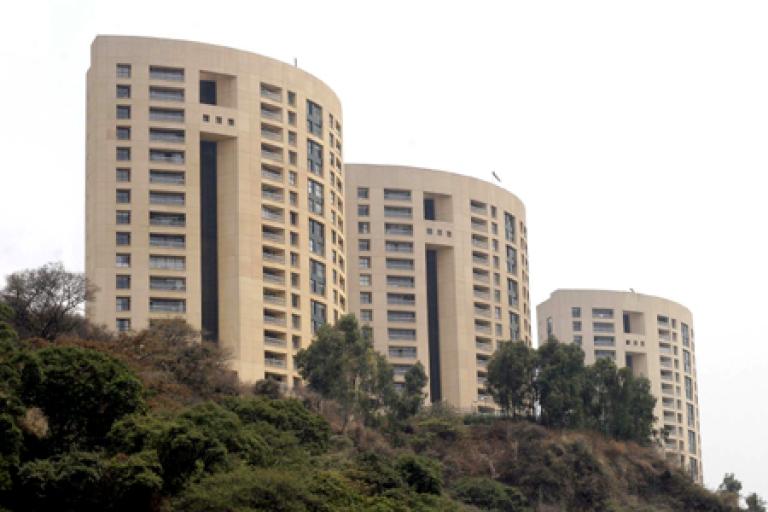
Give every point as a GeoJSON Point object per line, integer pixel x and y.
{"type": "Point", "coordinates": [214, 193]}
{"type": "Point", "coordinates": [438, 272]}
{"type": "Point", "coordinates": [651, 335]}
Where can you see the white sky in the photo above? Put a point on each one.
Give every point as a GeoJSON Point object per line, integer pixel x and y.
{"type": "Point", "coordinates": [635, 133]}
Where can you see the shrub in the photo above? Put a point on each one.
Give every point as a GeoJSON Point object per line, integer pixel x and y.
{"type": "Point", "coordinates": [423, 474]}
{"type": "Point", "coordinates": [487, 494]}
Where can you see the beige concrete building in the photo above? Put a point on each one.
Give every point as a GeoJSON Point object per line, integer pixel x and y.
{"type": "Point", "coordinates": [651, 335]}
{"type": "Point", "coordinates": [439, 271]}
{"type": "Point", "coordinates": [214, 192]}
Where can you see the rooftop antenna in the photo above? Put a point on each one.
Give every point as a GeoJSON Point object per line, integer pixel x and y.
{"type": "Point", "coordinates": [295, 62]}
{"type": "Point", "coordinates": [496, 176]}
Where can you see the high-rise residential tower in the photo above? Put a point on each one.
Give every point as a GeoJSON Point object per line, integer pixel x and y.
{"type": "Point", "coordinates": [439, 272]}
{"type": "Point", "coordinates": [214, 193]}
{"type": "Point", "coordinates": [651, 335]}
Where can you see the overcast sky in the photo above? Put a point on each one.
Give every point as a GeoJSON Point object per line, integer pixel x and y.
{"type": "Point", "coordinates": [635, 133]}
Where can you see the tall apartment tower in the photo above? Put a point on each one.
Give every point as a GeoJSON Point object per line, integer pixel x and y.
{"type": "Point", "coordinates": [214, 193]}
{"type": "Point", "coordinates": [439, 273]}
{"type": "Point", "coordinates": [652, 336]}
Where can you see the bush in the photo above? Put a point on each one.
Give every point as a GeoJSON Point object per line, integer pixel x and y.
{"type": "Point", "coordinates": [487, 494]}
{"type": "Point", "coordinates": [422, 474]}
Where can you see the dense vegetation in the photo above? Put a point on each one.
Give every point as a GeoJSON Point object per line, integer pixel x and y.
{"type": "Point", "coordinates": [154, 421]}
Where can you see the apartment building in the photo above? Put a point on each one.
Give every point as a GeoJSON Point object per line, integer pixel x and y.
{"type": "Point", "coordinates": [438, 273]}
{"type": "Point", "coordinates": [214, 193]}
{"type": "Point", "coordinates": [652, 336]}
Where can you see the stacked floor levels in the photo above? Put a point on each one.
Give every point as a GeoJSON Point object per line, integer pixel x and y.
{"type": "Point", "coordinates": [651, 335]}
{"type": "Point", "coordinates": [439, 272]}
{"type": "Point", "coordinates": [214, 194]}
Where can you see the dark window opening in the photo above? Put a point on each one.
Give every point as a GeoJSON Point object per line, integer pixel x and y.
{"type": "Point", "coordinates": [208, 92]}
{"type": "Point", "coordinates": [433, 326]}
{"type": "Point", "coordinates": [209, 277]}
{"type": "Point", "coordinates": [429, 209]}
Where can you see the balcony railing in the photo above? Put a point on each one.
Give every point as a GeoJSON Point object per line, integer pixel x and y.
{"type": "Point", "coordinates": [274, 299]}
{"type": "Point", "coordinates": [274, 278]}
{"type": "Point", "coordinates": [483, 328]}
{"type": "Point", "coordinates": [482, 312]}
{"type": "Point", "coordinates": [271, 215]}
{"type": "Point", "coordinates": [482, 363]}
{"type": "Point", "coordinates": [478, 242]}
{"type": "Point", "coordinates": [274, 320]}
{"type": "Point", "coordinates": [479, 294]}
{"type": "Point", "coordinates": [483, 278]}
{"type": "Point", "coordinates": [272, 135]}
{"type": "Point", "coordinates": [484, 346]}
{"type": "Point", "coordinates": [274, 362]}
{"type": "Point", "coordinates": [277, 115]}
{"type": "Point", "coordinates": [272, 196]}
{"type": "Point", "coordinates": [272, 236]}
{"type": "Point", "coordinates": [481, 210]}
{"type": "Point", "coordinates": [275, 341]}
{"type": "Point", "coordinates": [271, 94]}
{"type": "Point", "coordinates": [277, 257]}
{"type": "Point", "coordinates": [272, 155]}
{"type": "Point", "coordinates": [272, 175]}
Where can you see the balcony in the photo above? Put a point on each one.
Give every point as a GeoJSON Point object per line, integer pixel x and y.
{"type": "Point", "coordinates": [272, 195]}
{"type": "Point", "coordinates": [482, 327]}
{"type": "Point", "coordinates": [481, 277]}
{"type": "Point", "coordinates": [482, 362]}
{"type": "Point", "coordinates": [478, 208]}
{"type": "Point", "coordinates": [270, 112]}
{"type": "Point", "coordinates": [271, 174]}
{"type": "Point", "coordinates": [480, 260]}
{"type": "Point", "coordinates": [479, 293]}
{"type": "Point", "coordinates": [480, 311]}
{"type": "Point", "coordinates": [275, 256]}
{"type": "Point", "coordinates": [274, 298]}
{"type": "Point", "coordinates": [272, 153]}
{"type": "Point", "coordinates": [398, 230]}
{"type": "Point", "coordinates": [274, 341]}
{"type": "Point", "coordinates": [480, 242]}
{"type": "Point", "coordinates": [274, 362]}
{"type": "Point", "coordinates": [274, 318]}
{"type": "Point", "coordinates": [272, 214]}
{"type": "Point", "coordinates": [271, 93]}
{"type": "Point", "coordinates": [485, 346]}
{"type": "Point", "coordinates": [273, 236]}
{"type": "Point", "coordinates": [479, 225]}
{"type": "Point", "coordinates": [274, 277]}
{"type": "Point", "coordinates": [268, 132]}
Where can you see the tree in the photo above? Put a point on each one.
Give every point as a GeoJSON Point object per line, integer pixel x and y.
{"type": "Point", "coordinates": [511, 378]}
{"type": "Point", "coordinates": [341, 364]}
{"type": "Point", "coordinates": [618, 404]}
{"type": "Point", "coordinates": [45, 302]}
{"type": "Point", "coordinates": [755, 503]}
{"type": "Point", "coordinates": [730, 489]}
{"type": "Point", "coordinates": [560, 384]}
{"type": "Point", "coordinates": [409, 401]}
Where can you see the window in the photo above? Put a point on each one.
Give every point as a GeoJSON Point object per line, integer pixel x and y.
{"type": "Point", "coordinates": [208, 92]}
{"type": "Point", "coordinates": [688, 388]}
{"type": "Point", "coordinates": [123, 133]}
{"type": "Point", "coordinates": [123, 91]}
{"type": "Point", "coordinates": [691, 415]}
{"type": "Point", "coordinates": [122, 282]}
{"type": "Point", "coordinates": [429, 208]}
{"type": "Point", "coordinates": [123, 217]}
{"type": "Point", "coordinates": [123, 238]}
{"type": "Point", "coordinates": [397, 195]}
{"type": "Point", "coordinates": [602, 313]}
{"type": "Point", "coordinates": [157, 305]}
{"type": "Point", "coordinates": [166, 177]}
{"type": "Point", "coordinates": [166, 73]}
{"type": "Point", "coordinates": [366, 298]}
{"type": "Point", "coordinates": [403, 212]}
{"type": "Point", "coordinates": [316, 237]}
{"type": "Point", "coordinates": [362, 192]}
{"type": "Point", "coordinates": [363, 210]}
{"type": "Point", "coordinates": [173, 284]}
{"type": "Point", "coordinates": [509, 227]}
{"type": "Point", "coordinates": [123, 260]}
{"type": "Point", "coordinates": [514, 326]}
{"type": "Point", "coordinates": [292, 98]}
{"type": "Point", "coordinates": [692, 442]}
{"type": "Point", "coordinates": [166, 94]}
{"type": "Point", "coordinates": [314, 157]}
{"type": "Point", "coordinates": [393, 246]}
{"type": "Point", "coordinates": [401, 281]}
{"type": "Point", "coordinates": [167, 156]}
{"type": "Point", "coordinates": [292, 178]}
{"type": "Point", "coordinates": [318, 312]}
{"type": "Point", "coordinates": [604, 341]}
{"type": "Point", "coordinates": [123, 154]}
{"type": "Point", "coordinates": [575, 312]}
{"type": "Point", "coordinates": [123, 196]}
{"type": "Point", "coordinates": [164, 240]}
{"type": "Point", "coordinates": [398, 229]}
{"type": "Point", "coordinates": [123, 325]}
{"type": "Point", "coordinates": [123, 304]}
{"type": "Point", "coordinates": [576, 324]}
{"type": "Point", "coordinates": [686, 361]}
{"type": "Point", "coordinates": [685, 334]}
{"type": "Point", "coordinates": [402, 352]}
{"type": "Point", "coordinates": [315, 197]}
{"type": "Point", "coordinates": [366, 315]}
{"type": "Point", "coordinates": [295, 239]}
{"type": "Point", "coordinates": [511, 260]}
{"type": "Point", "coordinates": [364, 262]}
{"type": "Point", "coordinates": [406, 299]}
{"type": "Point", "coordinates": [292, 118]}
{"type": "Point", "coordinates": [401, 316]}
{"type": "Point", "coordinates": [512, 292]}
{"type": "Point", "coordinates": [401, 334]}
{"type": "Point", "coordinates": [122, 175]}
{"type": "Point", "coordinates": [166, 135]}
{"type": "Point", "coordinates": [400, 264]}
{"type": "Point", "coordinates": [602, 326]}
{"type": "Point", "coordinates": [123, 71]}
{"type": "Point", "coordinates": [363, 228]}
{"type": "Point", "coordinates": [123, 112]}
{"type": "Point", "coordinates": [314, 118]}
{"type": "Point", "coordinates": [317, 277]}
{"type": "Point", "coordinates": [171, 198]}
{"type": "Point", "coordinates": [365, 279]}
{"type": "Point", "coordinates": [577, 339]}
{"type": "Point", "coordinates": [167, 262]}
{"type": "Point", "coordinates": [172, 115]}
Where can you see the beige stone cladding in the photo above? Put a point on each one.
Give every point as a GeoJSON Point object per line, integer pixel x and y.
{"type": "Point", "coordinates": [439, 273]}
{"type": "Point", "coordinates": [653, 336]}
{"type": "Point", "coordinates": [214, 193]}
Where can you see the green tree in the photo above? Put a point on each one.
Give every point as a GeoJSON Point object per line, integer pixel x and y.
{"type": "Point", "coordinates": [488, 494]}
{"type": "Point", "coordinates": [755, 503]}
{"type": "Point", "coordinates": [511, 378]}
{"type": "Point", "coordinates": [730, 487]}
{"type": "Point", "coordinates": [342, 365]}
{"type": "Point", "coordinates": [45, 302]}
{"type": "Point", "coordinates": [559, 384]}
{"type": "Point", "coordinates": [409, 401]}
{"type": "Point", "coordinates": [81, 392]}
